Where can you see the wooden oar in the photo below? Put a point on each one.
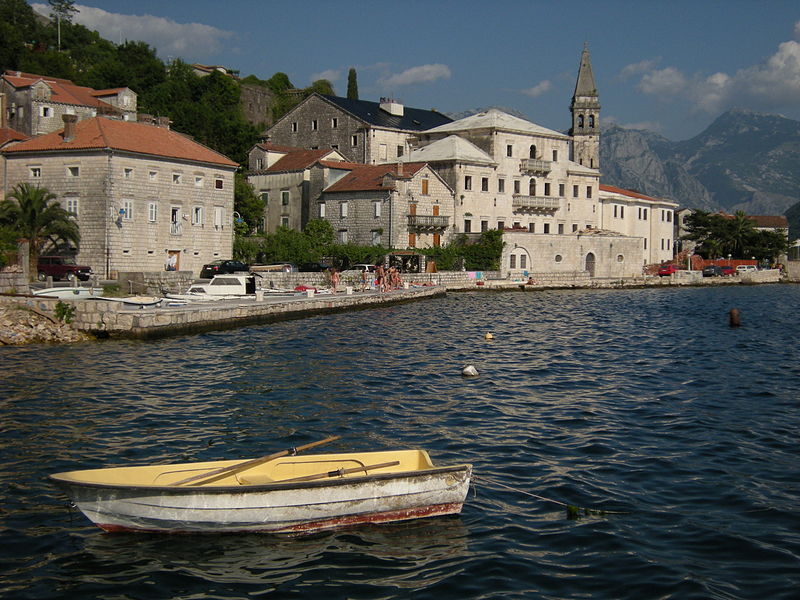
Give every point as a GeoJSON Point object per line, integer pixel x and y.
{"type": "Point", "coordinates": [339, 472]}
{"type": "Point", "coordinates": [212, 476]}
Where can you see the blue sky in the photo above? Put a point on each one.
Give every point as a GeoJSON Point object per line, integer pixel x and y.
{"type": "Point", "coordinates": [671, 67]}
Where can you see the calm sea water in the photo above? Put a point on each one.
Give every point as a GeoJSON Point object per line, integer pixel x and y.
{"type": "Point", "coordinates": [643, 402]}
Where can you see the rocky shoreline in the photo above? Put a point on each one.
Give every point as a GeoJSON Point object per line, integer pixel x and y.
{"type": "Point", "coordinates": [20, 325]}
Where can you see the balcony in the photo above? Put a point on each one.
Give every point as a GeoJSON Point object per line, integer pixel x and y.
{"type": "Point", "coordinates": [535, 166]}
{"type": "Point", "coordinates": [428, 221]}
{"type": "Point", "coordinates": [519, 202]}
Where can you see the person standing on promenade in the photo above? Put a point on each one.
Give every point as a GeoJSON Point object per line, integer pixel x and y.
{"type": "Point", "coordinates": [334, 279]}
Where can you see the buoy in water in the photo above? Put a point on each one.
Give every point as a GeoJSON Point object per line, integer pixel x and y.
{"type": "Point", "coordinates": [735, 319]}
{"type": "Point", "coordinates": [489, 336]}
{"type": "Point", "coordinates": [469, 371]}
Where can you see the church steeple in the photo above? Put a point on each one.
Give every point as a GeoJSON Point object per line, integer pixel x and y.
{"type": "Point", "coordinates": [585, 110]}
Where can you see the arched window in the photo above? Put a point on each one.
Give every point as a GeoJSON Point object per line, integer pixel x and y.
{"type": "Point", "coordinates": [532, 187]}
{"type": "Point", "coordinates": [580, 120]}
{"type": "Point", "coordinates": [533, 151]}
{"type": "Point", "coordinates": [591, 121]}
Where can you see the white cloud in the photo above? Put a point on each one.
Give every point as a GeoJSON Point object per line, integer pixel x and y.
{"type": "Point", "coordinates": [636, 68]}
{"type": "Point", "coordinates": [539, 89]}
{"type": "Point", "coordinates": [420, 74]}
{"type": "Point", "coordinates": [170, 38]}
{"type": "Point", "coordinates": [330, 74]}
{"type": "Point", "coordinates": [663, 82]}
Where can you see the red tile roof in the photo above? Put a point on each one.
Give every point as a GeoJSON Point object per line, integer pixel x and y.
{"type": "Point", "coordinates": [298, 160]}
{"type": "Point", "coordinates": [631, 193]}
{"type": "Point", "coordinates": [63, 90]}
{"type": "Point", "coordinates": [370, 177]}
{"type": "Point", "coordinates": [11, 135]}
{"type": "Point", "coordinates": [770, 221]}
{"type": "Point", "coordinates": [340, 164]}
{"type": "Point", "coordinates": [141, 138]}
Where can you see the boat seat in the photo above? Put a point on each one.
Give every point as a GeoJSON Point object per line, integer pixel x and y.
{"type": "Point", "coordinates": [254, 479]}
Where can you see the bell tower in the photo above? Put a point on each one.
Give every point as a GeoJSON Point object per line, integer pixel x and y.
{"type": "Point", "coordinates": [585, 108]}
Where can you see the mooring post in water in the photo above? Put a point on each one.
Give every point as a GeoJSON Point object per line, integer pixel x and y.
{"type": "Point", "coordinates": [735, 319]}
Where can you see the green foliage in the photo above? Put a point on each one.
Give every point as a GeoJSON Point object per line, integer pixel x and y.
{"type": "Point", "coordinates": [320, 233]}
{"type": "Point", "coordinates": [721, 235]}
{"type": "Point", "coordinates": [321, 86]}
{"type": "Point", "coordinates": [483, 255]}
{"type": "Point", "coordinates": [352, 85]}
{"type": "Point", "coordinates": [249, 205]}
{"type": "Point", "coordinates": [64, 312]}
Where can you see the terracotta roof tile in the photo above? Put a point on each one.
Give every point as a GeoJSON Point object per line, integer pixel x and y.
{"type": "Point", "coordinates": [298, 160]}
{"type": "Point", "coordinates": [63, 90]}
{"type": "Point", "coordinates": [341, 164]}
{"type": "Point", "coordinates": [11, 135]}
{"type": "Point", "coordinates": [631, 193]}
{"type": "Point", "coordinates": [142, 138]}
{"type": "Point", "coordinates": [370, 177]}
{"type": "Point", "coordinates": [770, 221]}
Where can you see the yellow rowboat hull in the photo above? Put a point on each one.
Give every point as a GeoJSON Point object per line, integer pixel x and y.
{"type": "Point", "coordinates": [292, 494]}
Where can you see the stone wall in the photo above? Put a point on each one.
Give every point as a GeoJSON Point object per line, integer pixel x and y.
{"type": "Point", "coordinates": [14, 282]}
{"type": "Point", "coordinates": [154, 283]}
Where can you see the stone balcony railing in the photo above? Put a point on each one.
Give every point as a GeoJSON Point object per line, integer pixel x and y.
{"type": "Point", "coordinates": [535, 165]}
{"type": "Point", "coordinates": [429, 221]}
{"type": "Point", "coordinates": [519, 202]}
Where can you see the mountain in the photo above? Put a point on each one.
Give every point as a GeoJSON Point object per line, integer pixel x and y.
{"type": "Point", "coordinates": [743, 161]}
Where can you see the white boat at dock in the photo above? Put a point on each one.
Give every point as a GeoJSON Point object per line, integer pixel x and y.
{"type": "Point", "coordinates": [288, 494]}
{"type": "Point", "coordinates": [69, 293]}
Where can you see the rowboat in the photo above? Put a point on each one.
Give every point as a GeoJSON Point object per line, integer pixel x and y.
{"type": "Point", "coordinates": [288, 494]}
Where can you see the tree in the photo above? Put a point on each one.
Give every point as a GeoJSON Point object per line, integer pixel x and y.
{"type": "Point", "coordinates": [35, 214]}
{"type": "Point", "coordinates": [62, 11]}
{"type": "Point", "coordinates": [722, 235]}
{"type": "Point", "coordinates": [247, 204]}
{"type": "Point", "coordinates": [352, 85]}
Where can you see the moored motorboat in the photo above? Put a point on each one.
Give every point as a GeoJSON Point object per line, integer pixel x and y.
{"type": "Point", "coordinates": [68, 293]}
{"type": "Point", "coordinates": [289, 494]}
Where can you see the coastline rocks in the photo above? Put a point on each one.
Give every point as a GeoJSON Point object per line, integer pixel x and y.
{"type": "Point", "coordinates": [19, 326]}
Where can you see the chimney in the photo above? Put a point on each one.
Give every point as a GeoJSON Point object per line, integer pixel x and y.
{"type": "Point", "coordinates": [392, 106]}
{"type": "Point", "coordinates": [69, 126]}
{"type": "Point", "coordinates": [163, 122]}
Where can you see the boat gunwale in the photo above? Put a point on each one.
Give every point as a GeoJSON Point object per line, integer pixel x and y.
{"type": "Point", "coordinates": [260, 487]}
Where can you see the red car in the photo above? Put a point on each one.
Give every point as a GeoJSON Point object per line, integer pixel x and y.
{"type": "Point", "coordinates": [728, 270]}
{"type": "Point", "coordinates": [665, 270]}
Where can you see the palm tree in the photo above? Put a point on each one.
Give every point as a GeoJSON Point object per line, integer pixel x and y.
{"type": "Point", "coordinates": [35, 214]}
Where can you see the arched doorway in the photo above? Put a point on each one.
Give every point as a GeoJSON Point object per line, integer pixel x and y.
{"type": "Point", "coordinates": [590, 263]}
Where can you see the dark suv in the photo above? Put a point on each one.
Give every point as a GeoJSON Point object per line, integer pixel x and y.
{"type": "Point", "coordinates": [61, 267]}
{"type": "Point", "coordinates": [221, 267]}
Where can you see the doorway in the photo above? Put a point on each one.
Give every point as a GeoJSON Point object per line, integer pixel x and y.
{"type": "Point", "coordinates": [590, 263]}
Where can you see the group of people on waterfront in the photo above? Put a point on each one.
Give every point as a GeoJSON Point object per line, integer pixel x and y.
{"type": "Point", "coordinates": [381, 279]}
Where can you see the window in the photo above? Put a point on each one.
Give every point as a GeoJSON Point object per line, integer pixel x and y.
{"type": "Point", "coordinates": [321, 210]}
{"type": "Point", "coordinates": [509, 150]}
{"type": "Point", "coordinates": [588, 191]}
{"type": "Point", "coordinates": [484, 225]}
{"type": "Point", "coordinates": [343, 210]}
{"type": "Point", "coordinates": [574, 227]}
{"type": "Point", "coordinates": [523, 262]}
{"type": "Point", "coordinates": [532, 153]}
{"type": "Point", "coordinates": [546, 188]}
{"type": "Point", "coordinates": [152, 212]}
{"type": "Point", "coordinates": [127, 173]}
{"type": "Point", "coordinates": [532, 187]}
{"type": "Point", "coordinates": [294, 127]}
{"type": "Point", "coordinates": [645, 243]}
{"type": "Point", "coordinates": [127, 210]}
{"type": "Point", "coordinates": [177, 178]}
{"type": "Point", "coordinates": [501, 186]}
{"type": "Point", "coordinates": [547, 227]}
{"type": "Point", "coordinates": [621, 212]}
{"type": "Point", "coordinates": [343, 236]}
{"type": "Point", "coordinates": [484, 184]}
{"type": "Point", "coordinates": [284, 221]}
{"type": "Point", "coordinates": [284, 197]}
{"type": "Point", "coordinates": [72, 205]}
{"type": "Point", "coordinates": [219, 183]}
{"type": "Point", "coordinates": [383, 152]}
{"type": "Point", "coordinates": [574, 191]}
{"type": "Point", "coordinates": [512, 261]}
{"type": "Point", "coordinates": [354, 140]}
{"type": "Point", "coordinates": [334, 123]}
{"type": "Point", "coordinates": [376, 209]}
{"type": "Point", "coordinates": [334, 146]}
{"type": "Point", "coordinates": [197, 215]}
{"type": "Point", "coordinates": [558, 258]}
{"type": "Point", "coordinates": [219, 217]}
{"type": "Point", "coordinates": [468, 182]}
{"type": "Point", "coordinates": [153, 175]}
{"type": "Point", "coordinates": [532, 227]}
{"type": "Point", "coordinates": [501, 225]}
{"type": "Point", "coordinates": [73, 171]}
{"type": "Point", "coordinates": [467, 226]}
{"type": "Point", "coordinates": [412, 240]}
{"type": "Point", "coordinates": [198, 181]}
{"type": "Point", "coordinates": [561, 189]}
{"type": "Point", "coordinates": [376, 237]}
{"type": "Point", "coordinates": [560, 229]}
{"type": "Point", "coordinates": [669, 216]}
{"type": "Point", "coordinates": [425, 187]}
{"type": "Point", "coordinates": [400, 151]}
{"type": "Point", "coordinates": [516, 186]}
{"type": "Point", "coordinates": [555, 155]}
{"type": "Point", "coordinates": [35, 172]}
{"type": "Point", "coordinates": [265, 198]}
{"type": "Point", "coordinates": [46, 112]}
{"type": "Point", "coordinates": [313, 124]}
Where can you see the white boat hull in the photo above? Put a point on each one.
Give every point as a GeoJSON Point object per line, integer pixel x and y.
{"type": "Point", "coordinates": [275, 508]}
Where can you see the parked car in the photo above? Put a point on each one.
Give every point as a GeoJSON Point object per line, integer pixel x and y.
{"type": "Point", "coordinates": [220, 267]}
{"type": "Point", "coordinates": [665, 270]}
{"type": "Point", "coordinates": [712, 271]}
{"type": "Point", "coordinates": [727, 270]}
{"type": "Point", "coordinates": [61, 267]}
{"type": "Point", "coordinates": [312, 268]}
{"type": "Point", "coordinates": [745, 268]}
{"type": "Point", "coordinates": [362, 267]}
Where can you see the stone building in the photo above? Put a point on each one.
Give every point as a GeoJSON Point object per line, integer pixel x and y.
{"type": "Point", "coordinates": [34, 104]}
{"type": "Point", "coordinates": [634, 214]}
{"type": "Point", "coordinates": [399, 206]}
{"type": "Point", "coordinates": [361, 131]}
{"type": "Point", "coordinates": [142, 193]}
{"type": "Point", "coordinates": [585, 109]}
{"type": "Point", "coordinates": [290, 180]}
